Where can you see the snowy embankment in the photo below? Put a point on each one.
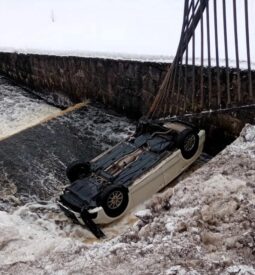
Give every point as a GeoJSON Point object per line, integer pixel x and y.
{"type": "Point", "coordinates": [144, 30]}
{"type": "Point", "coordinates": [205, 225]}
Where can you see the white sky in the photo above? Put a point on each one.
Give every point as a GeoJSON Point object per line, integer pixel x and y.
{"type": "Point", "coordinates": [136, 29]}
{"type": "Point", "coordinates": [106, 26]}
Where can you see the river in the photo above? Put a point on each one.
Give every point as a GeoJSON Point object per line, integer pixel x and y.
{"type": "Point", "coordinates": [38, 141]}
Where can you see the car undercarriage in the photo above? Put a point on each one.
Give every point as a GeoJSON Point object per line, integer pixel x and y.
{"type": "Point", "coordinates": [106, 180]}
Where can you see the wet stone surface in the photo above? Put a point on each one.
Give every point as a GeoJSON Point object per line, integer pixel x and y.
{"type": "Point", "coordinates": [33, 162]}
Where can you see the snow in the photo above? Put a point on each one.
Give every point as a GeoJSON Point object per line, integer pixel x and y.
{"type": "Point", "coordinates": [145, 213]}
{"type": "Point", "coordinates": [240, 269]}
{"type": "Point", "coordinates": [133, 29]}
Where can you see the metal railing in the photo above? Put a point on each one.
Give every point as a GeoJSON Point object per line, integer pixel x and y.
{"type": "Point", "coordinates": [193, 85]}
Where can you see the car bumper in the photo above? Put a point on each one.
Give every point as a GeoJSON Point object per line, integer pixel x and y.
{"type": "Point", "coordinates": [74, 216]}
{"type": "Point", "coordinates": [84, 219]}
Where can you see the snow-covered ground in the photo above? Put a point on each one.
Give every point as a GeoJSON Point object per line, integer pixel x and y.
{"type": "Point", "coordinates": [205, 225]}
{"type": "Point", "coordinates": [130, 29]}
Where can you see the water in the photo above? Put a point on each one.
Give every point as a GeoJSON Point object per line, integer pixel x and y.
{"type": "Point", "coordinates": [19, 109]}
{"type": "Point", "coordinates": [33, 159]}
{"type": "Point", "coordinates": [32, 174]}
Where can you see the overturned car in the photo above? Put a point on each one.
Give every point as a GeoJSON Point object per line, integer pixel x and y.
{"type": "Point", "coordinates": [111, 184]}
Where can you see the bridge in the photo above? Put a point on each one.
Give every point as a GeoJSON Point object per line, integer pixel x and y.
{"type": "Point", "coordinates": [206, 84]}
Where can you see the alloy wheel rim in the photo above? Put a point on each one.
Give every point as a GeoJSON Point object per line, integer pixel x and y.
{"type": "Point", "coordinates": [115, 199]}
{"type": "Point", "coordinates": [189, 143]}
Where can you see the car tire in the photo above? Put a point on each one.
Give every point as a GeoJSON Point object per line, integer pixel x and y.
{"type": "Point", "coordinates": [114, 200]}
{"type": "Point", "coordinates": [187, 142]}
{"type": "Point", "coordinates": [77, 170]}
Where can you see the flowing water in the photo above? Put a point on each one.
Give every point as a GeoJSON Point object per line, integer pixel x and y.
{"type": "Point", "coordinates": [32, 172]}
{"type": "Point", "coordinates": [19, 109]}
{"type": "Point", "coordinates": [33, 159]}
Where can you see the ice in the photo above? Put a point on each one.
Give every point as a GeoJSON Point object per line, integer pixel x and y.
{"type": "Point", "coordinates": [170, 226]}
{"type": "Point", "coordinates": [248, 134]}
{"type": "Point", "coordinates": [146, 213]}
{"type": "Point", "coordinates": [220, 185]}
{"type": "Point", "coordinates": [240, 269]}
{"type": "Point", "coordinates": [178, 269]}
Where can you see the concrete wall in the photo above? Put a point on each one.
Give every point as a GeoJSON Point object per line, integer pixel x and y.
{"type": "Point", "coordinates": [126, 86]}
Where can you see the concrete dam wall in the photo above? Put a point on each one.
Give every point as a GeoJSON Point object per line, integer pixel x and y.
{"type": "Point", "coordinates": [129, 87]}
{"type": "Point", "coordinates": [126, 86]}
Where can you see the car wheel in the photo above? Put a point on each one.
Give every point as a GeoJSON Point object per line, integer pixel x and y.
{"type": "Point", "coordinates": [114, 200]}
{"type": "Point", "coordinates": [187, 142]}
{"type": "Point", "coordinates": [77, 170]}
